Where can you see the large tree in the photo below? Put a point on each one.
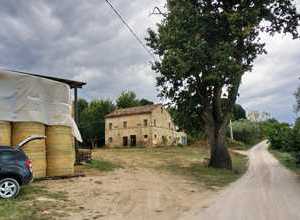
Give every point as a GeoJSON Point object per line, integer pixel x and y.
{"type": "Point", "coordinates": [205, 47]}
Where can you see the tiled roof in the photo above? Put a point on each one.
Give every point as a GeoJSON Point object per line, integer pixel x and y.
{"type": "Point", "coordinates": [132, 111]}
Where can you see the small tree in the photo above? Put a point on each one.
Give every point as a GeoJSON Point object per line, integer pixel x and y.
{"type": "Point", "coordinates": [92, 124]}
{"type": "Point", "coordinates": [146, 102]}
{"type": "Point", "coordinates": [205, 47]}
{"type": "Point", "coordinates": [127, 99]}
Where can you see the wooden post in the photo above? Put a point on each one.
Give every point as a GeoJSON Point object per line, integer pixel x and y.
{"type": "Point", "coordinates": [76, 117]}
{"type": "Point", "coordinates": [231, 131]}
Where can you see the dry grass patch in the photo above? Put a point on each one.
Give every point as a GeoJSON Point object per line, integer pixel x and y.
{"type": "Point", "coordinates": [34, 203]}
{"type": "Point", "coordinates": [188, 161]}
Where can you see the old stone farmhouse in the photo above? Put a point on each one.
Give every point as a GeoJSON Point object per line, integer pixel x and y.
{"type": "Point", "coordinates": [149, 125]}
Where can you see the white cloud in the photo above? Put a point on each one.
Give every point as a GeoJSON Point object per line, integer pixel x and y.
{"type": "Point", "coordinates": [84, 40]}
{"type": "Point", "coordinates": [271, 84]}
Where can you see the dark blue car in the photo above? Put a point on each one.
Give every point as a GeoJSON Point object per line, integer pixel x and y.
{"type": "Point", "coordinates": [15, 169]}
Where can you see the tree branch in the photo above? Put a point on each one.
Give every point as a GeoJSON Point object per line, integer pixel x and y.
{"type": "Point", "coordinates": [157, 11]}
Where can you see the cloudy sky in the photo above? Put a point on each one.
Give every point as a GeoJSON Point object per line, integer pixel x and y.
{"type": "Point", "coordinates": [84, 40]}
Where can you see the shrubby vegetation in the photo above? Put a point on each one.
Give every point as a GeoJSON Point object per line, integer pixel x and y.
{"type": "Point", "coordinates": [284, 138]}
{"type": "Point", "coordinates": [246, 131]}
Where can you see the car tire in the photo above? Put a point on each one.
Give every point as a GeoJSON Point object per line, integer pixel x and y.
{"type": "Point", "coordinates": [9, 188]}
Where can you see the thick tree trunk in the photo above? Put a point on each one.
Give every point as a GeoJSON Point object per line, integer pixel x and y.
{"type": "Point", "coordinates": [219, 157]}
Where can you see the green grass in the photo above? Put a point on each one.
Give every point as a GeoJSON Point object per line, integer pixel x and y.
{"type": "Point", "coordinates": [103, 165]}
{"type": "Point", "coordinates": [27, 206]}
{"type": "Point", "coordinates": [212, 177]}
{"type": "Point", "coordinates": [188, 161]}
{"type": "Point", "coordinates": [287, 160]}
{"type": "Point", "coordinates": [237, 145]}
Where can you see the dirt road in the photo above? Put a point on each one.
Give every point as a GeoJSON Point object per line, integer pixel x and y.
{"type": "Point", "coordinates": [127, 194]}
{"type": "Point", "coordinates": [268, 191]}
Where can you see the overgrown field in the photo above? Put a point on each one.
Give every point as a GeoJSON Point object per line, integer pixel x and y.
{"type": "Point", "coordinates": [189, 161]}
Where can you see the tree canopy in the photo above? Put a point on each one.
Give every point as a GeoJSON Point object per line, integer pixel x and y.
{"type": "Point", "coordinates": [239, 112]}
{"type": "Point", "coordinates": [205, 47]}
{"type": "Point", "coordinates": [129, 99]}
{"type": "Point", "coordinates": [92, 122]}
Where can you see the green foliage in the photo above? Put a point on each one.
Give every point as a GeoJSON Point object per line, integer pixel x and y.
{"type": "Point", "coordinates": [127, 99]}
{"type": "Point", "coordinates": [103, 165]}
{"type": "Point", "coordinates": [205, 47]}
{"type": "Point", "coordinates": [287, 159]}
{"type": "Point", "coordinates": [82, 104]}
{"type": "Point", "coordinates": [238, 112]}
{"type": "Point", "coordinates": [186, 119]}
{"type": "Point", "coordinates": [237, 145]}
{"type": "Point", "coordinates": [280, 137]}
{"type": "Point", "coordinates": [246, 131]}
{"type": "Point", "coordinates": [266, 126]}
{"type": "Point", "coordinates": [146, 102]}
{"type": "Point", "coordinates": [92, 122]}
{"type": "Point", "coordinates": [285, 140]}
{"type": "Point", "coordinates": [296, 137]}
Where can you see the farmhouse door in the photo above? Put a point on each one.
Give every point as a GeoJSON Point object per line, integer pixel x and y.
{"type": "Point", "coordinates": [132, 140]}
{"type": "Point", "coordinates": [125, 141]}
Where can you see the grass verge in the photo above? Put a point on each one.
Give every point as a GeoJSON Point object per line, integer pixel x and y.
{"type": "Point", "coordinates": [33, 203]}
{"type": "Point", "coordinates": [188, 161]}
{"type": "Point", "coordinates": [212, 177]}
{"type": "Point", "coordinates": [286, 159]}
{"type": "Point", "coordinates": [103, 165]}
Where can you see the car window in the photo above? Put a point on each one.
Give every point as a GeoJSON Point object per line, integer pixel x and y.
{"type": "Point", "coordinates": [7, 155]}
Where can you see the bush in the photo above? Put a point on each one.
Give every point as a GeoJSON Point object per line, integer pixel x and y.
{"type": "Point", "coordinates": [286, 139]}
{"type": "Point", "coordinates": [194, 138]}
{"type": "Point", "coordinates": [296, 136]}
{"type": "Point", "coordinates": [280, 137]}
{"type": "Point", "coordinates": [266, 126]}
{"type": "Point", "coordinates": [246, 131]}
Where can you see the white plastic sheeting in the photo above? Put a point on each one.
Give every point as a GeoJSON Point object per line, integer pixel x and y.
{"type": "Point", "coordinates": [28, 98]}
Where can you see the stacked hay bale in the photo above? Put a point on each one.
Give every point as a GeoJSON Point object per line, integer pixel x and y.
{"type": "Point", "coordinates": [60, 151]}
{"type": "Point", "coordinates": [35, 150]}
{"type": "Point", "coordinates": [5, 133]}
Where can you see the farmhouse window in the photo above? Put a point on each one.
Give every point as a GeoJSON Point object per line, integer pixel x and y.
{"type": "Point", "coordinates": [145, 123]}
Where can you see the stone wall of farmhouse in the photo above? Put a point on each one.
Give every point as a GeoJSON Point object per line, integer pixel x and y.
{"type": "Point", "coordinates": [126, 126]}
{"type": "Point", "coordinates": [151, 129]}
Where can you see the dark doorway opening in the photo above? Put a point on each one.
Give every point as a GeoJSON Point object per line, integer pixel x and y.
{"type": "Point", "coordinates": [132, 140]}
{"type": "Point", "coordinates": [125, 141]}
